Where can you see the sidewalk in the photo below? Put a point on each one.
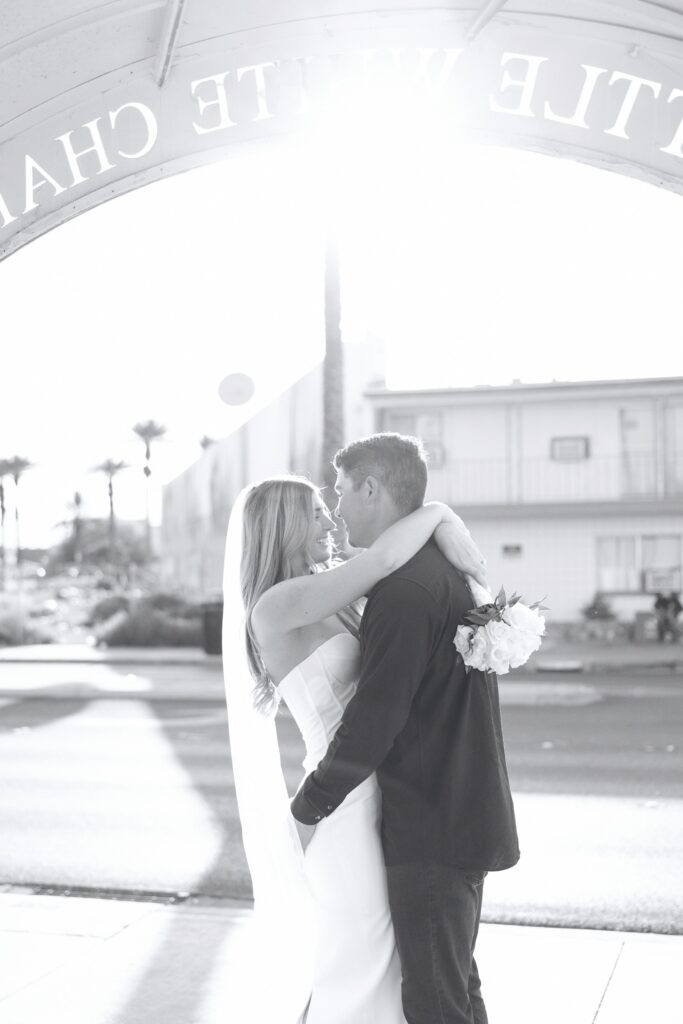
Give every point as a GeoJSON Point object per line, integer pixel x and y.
{"type": "Point", "coordinates": [101, 961]}
{"type": "Point", "coordinates": [605, 656]}
{"type": "Point", "coordinates": [554, 656]}
{"type": "Point", "coordinates": [87, 654]}
{"type": "Point", "coordinates": [558, 673]}
{"type": "Point", "coordinates": [78, 671]}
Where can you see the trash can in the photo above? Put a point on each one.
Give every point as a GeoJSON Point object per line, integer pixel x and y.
{"type": "Point", "coordinates": [645, 627]}
{"type": "Point", "coordinates": [212, 625]}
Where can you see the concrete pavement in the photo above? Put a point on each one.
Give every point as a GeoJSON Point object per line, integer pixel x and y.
{"type": "Point", "coordinates": [105, 961]}
{"type": "Point", "coordinates": [554, 656]}
{"type": "Point", "coordinates": [606, 656]}
{"type": "Point", "coordinates": [88, 654]}
{"type": "Point", "coordinates": [80, 670]}
{"type": "Point", "coordinates": [122, 961]}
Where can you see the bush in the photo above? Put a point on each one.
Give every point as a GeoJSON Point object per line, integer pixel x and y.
{"type": "Point", "coordinates": [144, 626]}
{"type": "Point", "coordinates": [16, 627]}
{"type": "Point", "coordinates": [106, 607]}
{"type": "Point", "coordinates": [172, 605]}
{"type": "Point", "coordinates": [599, 608]}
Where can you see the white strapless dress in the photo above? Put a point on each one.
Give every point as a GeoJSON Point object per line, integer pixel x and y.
{"type": "Point", "coordinates": [357, 976]}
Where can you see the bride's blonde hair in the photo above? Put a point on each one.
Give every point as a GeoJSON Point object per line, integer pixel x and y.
{"type": "Point", "coordinates": [276, 520]}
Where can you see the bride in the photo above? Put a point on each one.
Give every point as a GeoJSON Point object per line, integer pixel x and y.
{"type": "Point", "coordinates": [325, 939]}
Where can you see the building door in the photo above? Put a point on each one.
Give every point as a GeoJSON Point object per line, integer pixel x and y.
{"type": "Point", "coordinates": [638, 464]}
{"type": "Point", "coordinates": [673, 458]}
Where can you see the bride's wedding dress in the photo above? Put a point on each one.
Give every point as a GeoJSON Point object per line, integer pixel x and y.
{"type": "Point", "coordinates": [356, 974]}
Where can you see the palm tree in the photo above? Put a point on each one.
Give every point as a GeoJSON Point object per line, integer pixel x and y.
{"type": "Point", "coordinates": [333, 364]}
{"type": "Point", "coordinates": [147, 432]}
{"type": "Point", "coordinates": [72, 545]}
{"type": "Point", "coordinates": [16, 466]}
{"type": "Point", "coordinates": [110, 467]}
{"type": "Point", "coordinates": [5, 469]}
{"type": "Point", "coordinates": [77, 526]}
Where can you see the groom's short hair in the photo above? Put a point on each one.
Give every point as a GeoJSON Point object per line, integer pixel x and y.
{"type": "Point", "coordinates": [398, 461]}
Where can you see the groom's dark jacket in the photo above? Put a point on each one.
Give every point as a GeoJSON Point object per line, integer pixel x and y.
{"type": "Point", "coordinates": [431, 730]}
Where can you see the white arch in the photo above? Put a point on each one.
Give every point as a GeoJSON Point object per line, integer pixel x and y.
{"type": "Point", "coordinates": [119, 93]}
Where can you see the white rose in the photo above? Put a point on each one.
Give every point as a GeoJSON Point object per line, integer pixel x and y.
{"type": "Point", "coordinates": [462, 639]}
{"type": "Point", "coordinates": [497, 631]}
{"type": "Point", "coordinates": [525, 619]}
{"type": "Point", "coordinates": [523, 645]}
{"type": "Point", "coordinates": [498, 660]}
{"type": "Point", "coordinates": [519, 656]}
{"type": "Point", "coordinates": [477, 657]}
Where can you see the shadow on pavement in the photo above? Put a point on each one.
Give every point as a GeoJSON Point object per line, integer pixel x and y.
{"type": "Point", "coordinates": [33, 712]}
{"type": "Point", "coordinates": [179, 951]}
{"type": "Point", "coordinates": [190, 953]}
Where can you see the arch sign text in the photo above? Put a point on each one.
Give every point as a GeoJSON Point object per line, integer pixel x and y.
{"type": "Point", "coordinates": [615, 105]}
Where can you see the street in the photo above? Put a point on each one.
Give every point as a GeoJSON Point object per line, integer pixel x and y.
{"type": "Point", "coordinates": [134, 793]}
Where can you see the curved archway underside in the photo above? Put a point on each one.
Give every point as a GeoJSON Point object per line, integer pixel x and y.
{"type": "Point", "coordinates": [118, 93]}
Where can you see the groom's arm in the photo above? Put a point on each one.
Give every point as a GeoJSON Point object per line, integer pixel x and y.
{"type": "Point", "coordinates": [400, 627]}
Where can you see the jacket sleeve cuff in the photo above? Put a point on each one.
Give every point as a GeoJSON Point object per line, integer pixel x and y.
{"type": "Point", "coordinates": [308, 806]}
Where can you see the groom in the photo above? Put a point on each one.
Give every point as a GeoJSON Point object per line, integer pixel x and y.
{"type": "Point", "coordinates": [433, 735]}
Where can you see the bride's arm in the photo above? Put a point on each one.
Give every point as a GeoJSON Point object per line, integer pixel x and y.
{"type": "Point", "coordinates": [455, 542]}
{"type": "Point", "coordinates": [306, 599]}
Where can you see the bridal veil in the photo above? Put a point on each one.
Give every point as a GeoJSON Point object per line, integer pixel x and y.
{"type": "Point", "coordinates": [282, 933]}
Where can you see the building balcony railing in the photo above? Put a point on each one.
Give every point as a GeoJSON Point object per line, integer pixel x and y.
{"type": "Point", "coordinates": [631, 477]}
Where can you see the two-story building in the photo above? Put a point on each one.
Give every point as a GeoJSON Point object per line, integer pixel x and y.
{"type": "Point", "coordinates": [570, 489]}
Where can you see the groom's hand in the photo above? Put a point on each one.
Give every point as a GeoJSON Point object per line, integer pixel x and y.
{"type": "Point", "coordinates": [306, 832]}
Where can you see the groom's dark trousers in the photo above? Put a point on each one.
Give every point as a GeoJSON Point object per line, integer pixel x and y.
{"type": "Point", "coordinates": [432, 732]}
{"type": "Point", "coordinates": [436, 910]}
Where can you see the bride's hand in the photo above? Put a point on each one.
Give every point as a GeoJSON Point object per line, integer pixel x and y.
{"type": "Point", "coordinates": [344, 549]}
{"type": "Point", "coordinates": [455, 542]}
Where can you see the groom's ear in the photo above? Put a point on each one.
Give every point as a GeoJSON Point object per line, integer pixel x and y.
{"type": "Point", "coordinates": [371, 488]}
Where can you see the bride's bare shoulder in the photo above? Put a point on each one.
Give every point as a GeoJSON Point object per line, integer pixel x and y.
{"type": "Point", "coordinates": [266, 618]}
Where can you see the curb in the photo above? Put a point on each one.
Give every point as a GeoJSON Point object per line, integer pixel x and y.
{"type": "Point", "coordinates": [74, 693]}
{"type": "Point", "coordinates": [113, 661]}
{"type": "Point", "coordinates": [560, 666]}
{"type": "Point", "coordinates": [212, 660]}
{"type": "Point", "coordinates": [597, 667]}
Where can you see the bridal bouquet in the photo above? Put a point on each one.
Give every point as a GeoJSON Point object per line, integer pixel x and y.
{"type": "Point", "coordinates": [502, 635]}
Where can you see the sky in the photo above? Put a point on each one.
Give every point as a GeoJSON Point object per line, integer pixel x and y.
{"type": "Point", "coordinates": [474, 264]}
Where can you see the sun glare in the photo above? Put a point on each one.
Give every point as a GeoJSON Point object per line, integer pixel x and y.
{"type": "Point", "coordinates": [473, 264]}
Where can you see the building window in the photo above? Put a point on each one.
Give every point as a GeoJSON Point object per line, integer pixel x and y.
{"type": "Point", "coordinates": [617, 564]}
{"type": "Point", "coordinates": [436, 453]}
{"type": "Point", "coordinates": [399, 422]}
{"type": "Point", "coordinates": [426, 426]}
{"type": "Point", "coordinates": [635, 565]}
{"type": "Point", "coordinates": [661, 563]}
{"type": "Point", "coordinates": [512, 550]}
{"type": "Point", "coordinates": [569, 449]}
